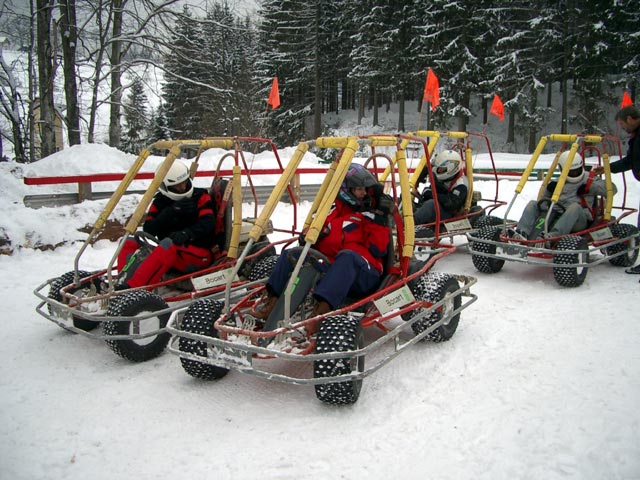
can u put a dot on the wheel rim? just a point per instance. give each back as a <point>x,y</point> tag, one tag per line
<point>147,325</point>
<point>581,258</point>
<point>448,306</point>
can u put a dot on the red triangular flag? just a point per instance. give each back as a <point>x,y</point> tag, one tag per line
<point>626,100</point>
<point>274,94</point>
<point>432,90</point>
<point>497,108</point>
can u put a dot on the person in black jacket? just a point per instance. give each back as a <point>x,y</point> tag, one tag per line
<point>181,217</point>
<point>451,187</point>
<point>628,119</point>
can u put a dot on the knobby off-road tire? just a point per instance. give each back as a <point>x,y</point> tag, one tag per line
<point>199,319</point>
<point>571,276</point>
<point>487,221</point>
<point>130,304</point>
<point>262,268</point>
<point>486,264</point>
<point>433,287</point>
<point>340,333</point>
<point>623,230</point>
<point>248,267</point>
<point>56,294</point>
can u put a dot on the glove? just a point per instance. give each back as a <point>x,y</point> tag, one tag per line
<point>180,238</point>
<point>184,208</point>
<point>385,204</point>
<point>543,205</point>
<point>551,186</point>
<point>427,194</point>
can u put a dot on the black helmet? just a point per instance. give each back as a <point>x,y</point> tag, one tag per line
<point>357,176</point>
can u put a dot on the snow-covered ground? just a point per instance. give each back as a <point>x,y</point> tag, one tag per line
<point>539,382</point>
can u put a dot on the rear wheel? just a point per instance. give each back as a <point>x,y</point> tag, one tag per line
<point>340,333</point>
<point>487,221</point>
<point>131,304</point>
<point>623,230</point>
<point>482,263</point>
<point>571,276</point>
<point>262,268</point>
<point>87,289</point>
<point>199,319</point>
<point>433,287</point>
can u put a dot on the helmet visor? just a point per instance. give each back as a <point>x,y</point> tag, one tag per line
<point>575,172</point>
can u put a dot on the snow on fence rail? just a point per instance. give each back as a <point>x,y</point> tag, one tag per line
<point>85,185</point>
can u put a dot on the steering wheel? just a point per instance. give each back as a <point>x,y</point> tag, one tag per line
<point>146,239</point>
<point>315,258</point>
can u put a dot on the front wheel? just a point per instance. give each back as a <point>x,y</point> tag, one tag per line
<point>482,263</point>
<point>86,289</point>
<point>340,333</point>
<point>131,304</point>
<point>623,230</point>
<point>431,288</point>
<point>571,276</point>
<point>199,319</point>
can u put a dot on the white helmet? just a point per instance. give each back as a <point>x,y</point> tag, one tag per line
<point>177,174</point>
<point>446,165</point>
<point>576,173</point>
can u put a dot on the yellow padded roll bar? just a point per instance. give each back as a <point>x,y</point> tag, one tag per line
<point>237,213</point>
<point>141,209</point>
<point>469,174</point>
<point>531,164</point>
<point>120,191</point>
<point>565,172</point>
<point>407,205</point>
<point>259,228</point>
<point>609,186</point>
<point>332,190</point>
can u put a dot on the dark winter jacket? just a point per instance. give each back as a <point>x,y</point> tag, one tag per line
<point>583,192</point>
<point>632,160</point>
<point>361,232</point>
<point>192,215</point>
<point>452,194</point>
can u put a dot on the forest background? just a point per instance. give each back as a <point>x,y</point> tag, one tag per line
<point>66,61</point>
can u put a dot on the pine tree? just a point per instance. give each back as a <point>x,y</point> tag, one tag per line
<point>182,91</point>
<point>135,113</point>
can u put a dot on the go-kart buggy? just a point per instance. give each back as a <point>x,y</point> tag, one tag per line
<point>476,211</point>
<point>412,303</point>
<point>570,256</point>
<point>133,321</point>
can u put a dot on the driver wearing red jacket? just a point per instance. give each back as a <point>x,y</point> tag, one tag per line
<point>355,238</point>
<point>181,217</point>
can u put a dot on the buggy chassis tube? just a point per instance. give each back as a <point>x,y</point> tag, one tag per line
<point>66,314</point>
<point>258,228</point>
<point>239,356</point>
<point>521,252</point>
<point>573,138</point>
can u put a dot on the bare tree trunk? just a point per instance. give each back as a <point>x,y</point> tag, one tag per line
<point>116,72</point>
<point>376,104</point>
<point>401,112</point>
<point>462,119</point>
<point>533,134</point>
<point>69,40</point>
<point>317,99</point>
<point>485,110</point>
<point>565,109</point>
<point>45,74</point>
<point>97,76</point>
<point>32,84</point>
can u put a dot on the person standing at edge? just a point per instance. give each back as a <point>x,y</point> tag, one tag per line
<point>628,118</point>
